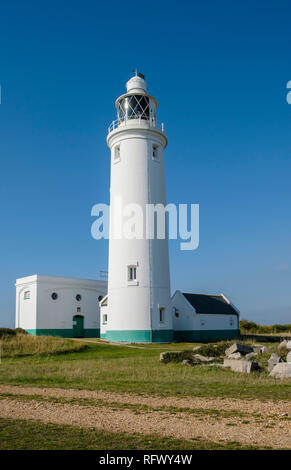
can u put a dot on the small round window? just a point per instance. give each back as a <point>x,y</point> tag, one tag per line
<point>78,297</point>
<point>54,296</point>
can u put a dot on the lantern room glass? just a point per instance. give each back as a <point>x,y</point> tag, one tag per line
<point>134,107</point>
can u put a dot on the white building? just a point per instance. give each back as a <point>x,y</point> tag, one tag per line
<point>59,306</point>
<point>137,307</point>
<point>138,273</point>
<point>198,317</point>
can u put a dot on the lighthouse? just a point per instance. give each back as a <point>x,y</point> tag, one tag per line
<point>137,305</point>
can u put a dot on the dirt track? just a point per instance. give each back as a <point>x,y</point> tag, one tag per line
<point>254,422</point>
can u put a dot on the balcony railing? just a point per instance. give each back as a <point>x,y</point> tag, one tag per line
<point>151,123</point>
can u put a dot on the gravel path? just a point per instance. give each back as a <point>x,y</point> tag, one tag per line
<point>246,430</point>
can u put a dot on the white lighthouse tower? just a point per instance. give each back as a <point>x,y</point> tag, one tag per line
<point>138,274</point>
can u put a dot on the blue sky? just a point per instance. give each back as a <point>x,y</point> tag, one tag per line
<point>219,71</point>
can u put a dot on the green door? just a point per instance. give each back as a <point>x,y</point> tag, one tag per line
<point>78,326</point>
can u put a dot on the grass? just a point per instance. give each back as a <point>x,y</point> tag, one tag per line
<point>27,345</point>
<point>136,368</point>
<point>35,435</point>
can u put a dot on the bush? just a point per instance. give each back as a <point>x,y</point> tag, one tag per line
<point>7,332</point>
<point>214,350</point>
<point>21,331</point>
<point>177,356</point>
<point>247,326</point>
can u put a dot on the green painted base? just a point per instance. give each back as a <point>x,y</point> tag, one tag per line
<point>205,335</point>
<point>65,333</point>
<point>140,336</point>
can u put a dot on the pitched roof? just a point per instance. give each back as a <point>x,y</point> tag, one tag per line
<point>213,304</point>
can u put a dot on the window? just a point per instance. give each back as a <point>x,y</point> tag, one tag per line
<point>132,273</point>
<point>54,296</point>
<point>117,153</point>
<point>78,297</point>
<point>105,318</point>
<point>176,312</point>
<point>27,295</point>
<point>134,107</point>
<point>155,152</point>
<point>162,315</point>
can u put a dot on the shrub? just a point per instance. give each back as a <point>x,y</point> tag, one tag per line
<point>7,332</point>
<point>214,350</point>
<point>21,331</point>
<point>177,356</point>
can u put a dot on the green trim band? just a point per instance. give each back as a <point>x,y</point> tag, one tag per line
<point>140,336</point>
<point>65,333</point>
<point>200,336</point>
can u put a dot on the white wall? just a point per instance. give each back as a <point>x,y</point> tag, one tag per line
<point>138,179</point>
<point>25,311</point>
<point>189,320</point>
<point>42,312</point>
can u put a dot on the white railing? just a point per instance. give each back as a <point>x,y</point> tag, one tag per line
<point>150,122</point>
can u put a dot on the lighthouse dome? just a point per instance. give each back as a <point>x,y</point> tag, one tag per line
<point>136,85</point>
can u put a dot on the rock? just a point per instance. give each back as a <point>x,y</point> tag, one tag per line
<point>162,356</point>
<point>196,348</point>
<point>236,355</point>
<point>256,345</point>
<point>288,345</point>
<point>186,362</point>
<point>288,359</point>
<point>282,370</point>
<point>264,349</point>
<point>241,366</point>
<point>238,347</point>
<point>250,356</point>
<point>273,361</point>
<point>203,358</point>
<point>282,345</point>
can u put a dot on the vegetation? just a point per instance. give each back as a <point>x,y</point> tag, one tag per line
<point>247,326</point>
<point>7,332</point>
<point>131,368</point>
<point>214,350</point>
<point>17,435</point>
<point>16,345</point>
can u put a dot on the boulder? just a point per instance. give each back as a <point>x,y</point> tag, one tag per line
<point>264,349</point>
<point>196,348</point>
<point>241,366</point>
<point>236,355</point>
<point>186,362</point>
<point>250,356</point>
<point>238,347</point>
<point>288,357</point>
<point>203,358</point>
<point>282,370</point>
<point>273,361</point>
<point>282,345</point>
<point>288,345</point>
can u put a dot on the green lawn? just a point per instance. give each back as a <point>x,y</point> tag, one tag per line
<point>137,369</point>
<point>32,435</point>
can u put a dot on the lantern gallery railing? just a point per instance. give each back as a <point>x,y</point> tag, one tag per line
<point>140,121</point>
